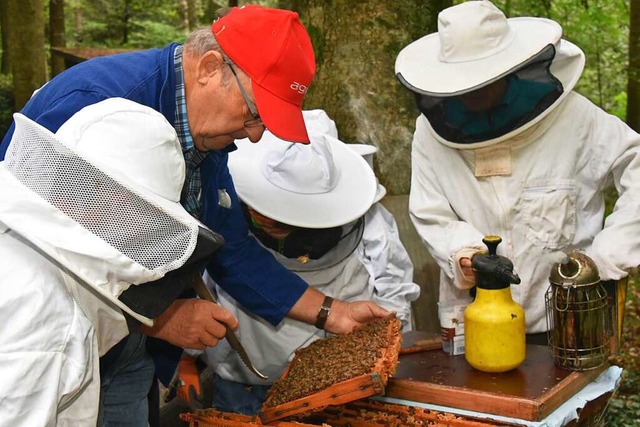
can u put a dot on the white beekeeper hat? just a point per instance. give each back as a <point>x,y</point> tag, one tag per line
<point>321,185</point>
<point>476,44</point>
<point>367,151</point>
<point>101,196</point>
<point>318,122</point>
<point>135,145</point>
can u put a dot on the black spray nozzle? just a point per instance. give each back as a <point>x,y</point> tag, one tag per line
<point>505,274</point>
<point>492,270</point>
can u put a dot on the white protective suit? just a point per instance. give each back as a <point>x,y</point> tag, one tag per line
<point>378,270</point>
<point>49,360</point>
<point>531,166</point>
<point>67,256</point>
<point>388,264</point>
<point>552,201</point>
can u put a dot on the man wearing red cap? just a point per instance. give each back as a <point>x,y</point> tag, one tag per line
<point>251,70</point>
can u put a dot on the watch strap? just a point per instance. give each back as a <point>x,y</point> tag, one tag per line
<point>323,314</point>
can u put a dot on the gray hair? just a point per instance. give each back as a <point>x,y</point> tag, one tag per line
<point>201,41</point>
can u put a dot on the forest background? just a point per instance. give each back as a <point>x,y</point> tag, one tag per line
<point>355,42</point>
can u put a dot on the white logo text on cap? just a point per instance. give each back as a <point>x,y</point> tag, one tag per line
<point>300,88</point>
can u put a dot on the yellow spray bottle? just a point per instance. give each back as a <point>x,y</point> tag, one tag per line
<point>494,323</point>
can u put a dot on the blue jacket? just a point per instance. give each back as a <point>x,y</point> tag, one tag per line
<point>242,267</point>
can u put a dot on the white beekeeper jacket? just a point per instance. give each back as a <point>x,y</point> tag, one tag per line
<point>551,202</point>
<point>49,360</point>
<point>63,250</point>
<point>352,279</point>
<point>388,264</point>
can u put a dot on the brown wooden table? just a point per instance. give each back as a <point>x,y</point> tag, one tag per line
<point>530,392</point>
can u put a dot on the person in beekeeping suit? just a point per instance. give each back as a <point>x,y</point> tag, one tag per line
<point>505,146</point>
<point>310,206</point>
<point>93,242</point>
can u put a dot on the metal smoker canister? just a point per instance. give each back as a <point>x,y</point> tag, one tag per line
<point>578,314</point>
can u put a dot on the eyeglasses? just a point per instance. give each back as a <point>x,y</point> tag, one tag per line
<point>256,121</point>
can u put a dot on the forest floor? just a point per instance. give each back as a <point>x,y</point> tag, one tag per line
<point>624,408</point>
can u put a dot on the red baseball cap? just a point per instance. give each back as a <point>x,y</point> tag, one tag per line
<point>273,48</point>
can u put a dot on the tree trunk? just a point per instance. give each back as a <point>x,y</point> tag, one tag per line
<point>126,17</point>
<point>289,4</point>
<point>78,23</point>
<point>5,66</point>
<point>184,11</point>
<point>26,47</point>
<point>210,11</point>
<point>192,13</point>
<point>356,44</point>
<point>56,34</point>
<point>633,88</point>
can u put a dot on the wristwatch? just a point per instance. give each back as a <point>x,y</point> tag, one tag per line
<point>325,309</point>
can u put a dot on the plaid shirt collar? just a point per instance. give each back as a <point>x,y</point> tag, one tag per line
<point>191,197</point>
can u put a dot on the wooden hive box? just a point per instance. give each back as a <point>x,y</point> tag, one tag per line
<point>215,418</point>
<point>363,413</point>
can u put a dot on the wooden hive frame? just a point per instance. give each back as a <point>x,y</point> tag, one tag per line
<point>358,387</point>
<point>215,418</point>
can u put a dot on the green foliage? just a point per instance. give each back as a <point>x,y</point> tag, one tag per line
<point>624,408</point>
<point>98,34</point>
<point>6,102</point>
<point>317,35</point>
<point>142,23</point>
<point>107,23</point>
<point>619,108</point>
<point>142,34</point>
<point>601,29</point>
<point>153,34</point>
<point>624,412</point>
<point>610,197</point>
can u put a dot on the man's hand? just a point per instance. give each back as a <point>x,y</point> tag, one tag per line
<point>467,269</point>
<point>192,323</point>
<point>345,316</point>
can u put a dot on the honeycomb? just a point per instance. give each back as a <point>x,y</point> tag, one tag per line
<point>372,348</point>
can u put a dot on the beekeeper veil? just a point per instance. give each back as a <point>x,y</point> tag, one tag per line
<point>476,46</point>
<point>101,199</point>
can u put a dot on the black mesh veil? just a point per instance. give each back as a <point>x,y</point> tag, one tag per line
<point>530,89</point>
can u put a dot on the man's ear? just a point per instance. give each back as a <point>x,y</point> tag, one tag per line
<point>208,66</point>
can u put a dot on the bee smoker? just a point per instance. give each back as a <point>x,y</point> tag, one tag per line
<point>578,314</point>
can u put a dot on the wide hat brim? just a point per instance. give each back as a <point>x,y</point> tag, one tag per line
<point>350,199</point>
<point>419,66</point>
